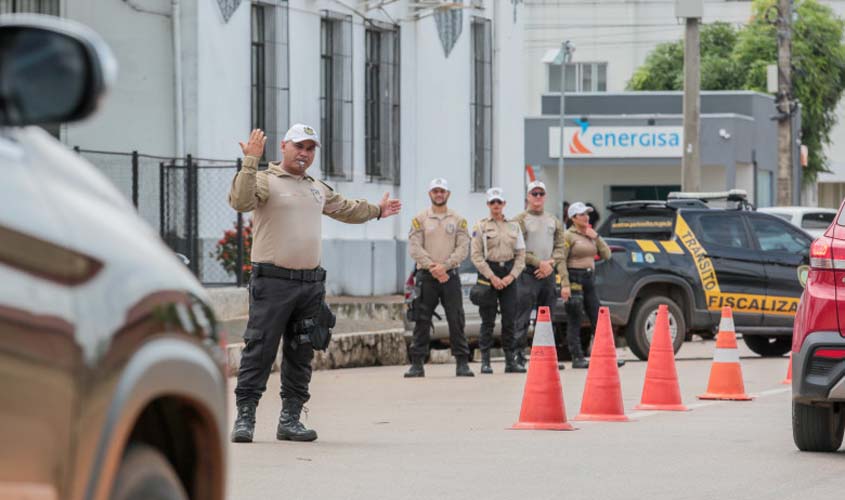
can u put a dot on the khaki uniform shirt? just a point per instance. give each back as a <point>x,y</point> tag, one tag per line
<point>287,213</point>
<point>544,238</point>
<point>438,239</point>
<point>580,252</point>
<point>504,242</point>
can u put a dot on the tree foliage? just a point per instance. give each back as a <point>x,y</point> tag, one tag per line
<point>736,59</point>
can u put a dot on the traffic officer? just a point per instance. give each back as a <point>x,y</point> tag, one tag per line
<point>581,246</point>
<point>544,243</point>
<point>287,285</point>
<point>438,243</point>
<point>498,252</point>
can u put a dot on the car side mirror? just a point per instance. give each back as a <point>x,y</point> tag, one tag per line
<point>52,70</point>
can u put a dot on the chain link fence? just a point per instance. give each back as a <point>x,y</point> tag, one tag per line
<point>185,199</point>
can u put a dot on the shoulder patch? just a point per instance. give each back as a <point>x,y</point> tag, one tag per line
<point>463,224</point>
<point>415,224</point>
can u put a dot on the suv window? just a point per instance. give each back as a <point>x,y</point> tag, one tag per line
<point>718,229</point>
<point>775,236</point>
<point>817,220</point>
<point>640,225</point>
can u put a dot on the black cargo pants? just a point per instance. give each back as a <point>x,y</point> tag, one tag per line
<point>507,299</point>
<point>533,293</point>
<point>450,295</point>
<point>584,299</point>
<point>275,304</point>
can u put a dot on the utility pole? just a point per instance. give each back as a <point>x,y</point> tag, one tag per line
<point>784,104</point>
<point>691,11</point>
<point>566,50</point>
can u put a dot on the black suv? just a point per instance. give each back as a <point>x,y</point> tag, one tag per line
<point>111,373</point>
<point>696,259</point>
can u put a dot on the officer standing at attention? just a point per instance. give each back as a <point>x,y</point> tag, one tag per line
<point>577,285</point>
<point>498,252</point>
<point>438,243</point>
<point>544,244</point>
<point>287,285</point>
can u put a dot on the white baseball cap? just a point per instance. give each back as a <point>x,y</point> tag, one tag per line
<point>438,182</point>
<point>495,194</point>
<point>578,208</point>
<point>536,184</point>
<point>299,132</point>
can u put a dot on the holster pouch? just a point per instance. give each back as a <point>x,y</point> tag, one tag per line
<point>482,293</point>
<point>577,297</point>
<point>316,331</point>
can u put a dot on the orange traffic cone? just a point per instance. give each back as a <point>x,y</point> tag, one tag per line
<point>788,379</point>
<point>542,400</point>
<point>726,372</point>
<point>602,391</point>
<point>661,390</point>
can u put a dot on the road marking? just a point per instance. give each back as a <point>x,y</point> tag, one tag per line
<point>643,414</point>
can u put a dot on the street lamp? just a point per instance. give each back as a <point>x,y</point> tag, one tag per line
<point>565,57</point>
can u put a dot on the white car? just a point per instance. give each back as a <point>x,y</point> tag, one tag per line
<point>813,220</point>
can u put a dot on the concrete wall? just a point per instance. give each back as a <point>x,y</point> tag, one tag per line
<point>138,112</point>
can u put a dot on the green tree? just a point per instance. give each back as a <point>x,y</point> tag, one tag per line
<point>737,59</point>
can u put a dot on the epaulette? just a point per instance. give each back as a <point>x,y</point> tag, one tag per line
<point>323,183</point>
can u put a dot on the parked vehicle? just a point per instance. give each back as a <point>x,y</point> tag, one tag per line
<point>813,220</point>
<point>818,346</point>
<point>111,374</point>
<point>696,259</point>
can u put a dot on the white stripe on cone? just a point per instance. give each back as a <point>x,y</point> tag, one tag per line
<point>727,325</point>
<point>726,355</point>
<point>543,335</point>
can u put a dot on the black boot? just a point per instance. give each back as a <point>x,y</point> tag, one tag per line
<point>485,362</point>
<point>580,363</point>
<point>416,369</point>
<point>511,366</point>
<point>462,367</point>
<point>520,358</point>
<point>290,428</point>
<point>244,424</point>
<point>578,360</point>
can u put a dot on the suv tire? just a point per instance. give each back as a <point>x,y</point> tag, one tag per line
<point>817,428</point>
<point>768,347</point>
<point>145,474</point>
<point>645,311</point>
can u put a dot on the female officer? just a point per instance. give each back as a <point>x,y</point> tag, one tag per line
<point>498,252</point>
<point>582,243</point>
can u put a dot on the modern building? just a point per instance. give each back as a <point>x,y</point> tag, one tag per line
<point>613,38</point>
<point>400,92</point>
<point>621,146</point>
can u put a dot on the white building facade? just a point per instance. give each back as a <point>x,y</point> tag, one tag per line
<point>400,93</point>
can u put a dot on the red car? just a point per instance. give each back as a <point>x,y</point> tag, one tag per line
<point>818,346</point>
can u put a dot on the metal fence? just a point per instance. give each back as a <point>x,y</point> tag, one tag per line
<point>185,198</point>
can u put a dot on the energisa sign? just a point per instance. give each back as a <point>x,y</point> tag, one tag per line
<point>587,141</point>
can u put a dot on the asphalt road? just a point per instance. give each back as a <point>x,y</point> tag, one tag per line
<point>384,437</point>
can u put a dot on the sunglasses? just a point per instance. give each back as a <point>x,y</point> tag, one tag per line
<point>495,202</point>
<point>538,194</point>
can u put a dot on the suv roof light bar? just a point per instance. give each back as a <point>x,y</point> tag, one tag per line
<point>732,195</point>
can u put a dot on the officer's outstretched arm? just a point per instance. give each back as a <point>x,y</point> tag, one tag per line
<point>345,210</point>
<point>249,187</point>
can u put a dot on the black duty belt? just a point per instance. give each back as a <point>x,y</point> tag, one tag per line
<point>271,271</point>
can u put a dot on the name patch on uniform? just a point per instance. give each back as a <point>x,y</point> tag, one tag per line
<point>318,195</point>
